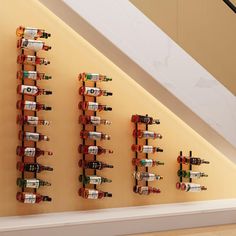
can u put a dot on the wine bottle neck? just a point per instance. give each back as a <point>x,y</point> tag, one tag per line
<point>47,168</point>
<point>156,121</point>
<point>46,198</point>
<point>106,194</point>
<point>107,166</point>
<point>45,183</point>
<point>107,108</point>
<point>159,163</point>
<point>159,149</point>
<point>46,92</point>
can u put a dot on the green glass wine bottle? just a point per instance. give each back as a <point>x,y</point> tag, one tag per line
<point>93,179</point>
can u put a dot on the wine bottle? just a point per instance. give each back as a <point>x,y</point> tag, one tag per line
<point>192,187</point>
<point>31,183</point>
<point>93,106</point>
<point>146,162</point>
<point>93,179</point>
<point>92,120</point>
<point>31,44</point>
<point>32,167</point>
<point>93,194</point>
<point>31,33</point>
<point>31,152</point>
<point>95,165</point>
<point>31,120</point>
<point>144,119</point>
<point>191,174</point>
<point>29,136</point>
<point>191,160</point>
<point>93,91</point>
<point>31,106</point>
<point>93,77</point>
<point>94,150</point>
<point>32,90</point>
<point>146,134</point>
<point>145,149</point>
<point>145,190</point>
<point>94,135</point>
<point>32,60</point>
<point>32,75</point>
<point>31,197</point>
<point>178,185</point>
<point>146,176</point>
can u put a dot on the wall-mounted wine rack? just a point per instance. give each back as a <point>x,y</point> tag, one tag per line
<point>89,135</point>
<point>141,172</point>
<point>28,46</point>
<point>185,172</point>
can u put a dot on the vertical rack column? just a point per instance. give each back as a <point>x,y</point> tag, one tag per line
<point>84,142</point>
<point>35,127</point>
<point>139,175</point>
<point>146,155</point>
<point>29,120</point>
<point>188,173</point>
<point>22,126</point>
<point>190,166</point>
<point>89,152</point>
<point>95,141</point>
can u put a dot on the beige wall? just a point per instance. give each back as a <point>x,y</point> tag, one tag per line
<point>70,55</point>
<point>205,29</point>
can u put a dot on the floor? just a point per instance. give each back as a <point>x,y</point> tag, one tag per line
<point>224,230</point>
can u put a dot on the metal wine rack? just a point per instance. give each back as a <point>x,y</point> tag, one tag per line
<point>24,66</point>
<point>85,157</point>
<point>188,167</point>
<point>137,155</point>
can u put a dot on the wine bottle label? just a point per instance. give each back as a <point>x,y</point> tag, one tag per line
<point>92,77</point>
<point>30,74</point>
<point>30,90</point>
<point>195,161</point>
<point>28,105</point>
<point>92,106</point>
<point>146,162</point>
<point>194,174</point>
<point>147,149</point>
<point>148,134</point>
<point>32,183</point>
<point>32,168</point>
<point>29,152</point>
<point>93,150</point>
<point>147,176</point>
<point>95,179</point>
<point>143,190</point>
<point>96,120</point>
<point>92,194</point>
<point>32,136</point>
<point>29,198</point>
<point>92,91</point>
<point>95,135</point>
<point>144,119</point>
<point>30,32</point>
<point>192,187</point>
<point>32,44</point>
<point>30,59</point>
<point>32,120</point>
<point>95,165</point>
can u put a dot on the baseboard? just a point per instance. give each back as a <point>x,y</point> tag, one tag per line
<point>122,221</point>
